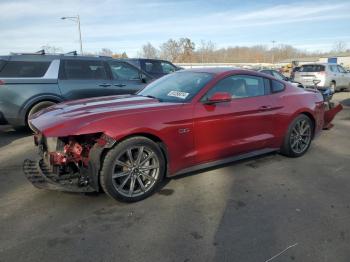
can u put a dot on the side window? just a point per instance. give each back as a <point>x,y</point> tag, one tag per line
<point>333,68</point>
<point>341,69</point>
<point>24,69</point>
<point>276,86</point>
<point>124,71</point>
<point>134,63</point>
<point>84,69</point>
<point>167,68</point>
<point>153,67</point>
<point>2,63</point>
<point>239,86</point>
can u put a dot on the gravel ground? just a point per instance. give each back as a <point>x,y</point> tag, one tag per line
<point>246,211</point>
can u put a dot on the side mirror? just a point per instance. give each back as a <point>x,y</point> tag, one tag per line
<point>143,78</point>
<point>287,79</point>
<point>219,97</point>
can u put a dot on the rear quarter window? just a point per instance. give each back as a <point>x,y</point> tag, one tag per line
<point>23,69</point>
<point>312,68</point>
<point>276,86</point>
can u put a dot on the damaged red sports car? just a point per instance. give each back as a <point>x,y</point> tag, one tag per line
<point>185,121</point>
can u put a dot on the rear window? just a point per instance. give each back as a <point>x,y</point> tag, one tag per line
<point>23,69</point>
<point>312,68</point>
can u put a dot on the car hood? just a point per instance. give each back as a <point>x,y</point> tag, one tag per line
<point>72,118</point>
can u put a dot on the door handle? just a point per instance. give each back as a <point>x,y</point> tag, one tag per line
<point>105,85</point>
<point>120,85</point>
<point>264,108</point>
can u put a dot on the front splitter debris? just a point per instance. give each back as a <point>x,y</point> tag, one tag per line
<point>40,176</point>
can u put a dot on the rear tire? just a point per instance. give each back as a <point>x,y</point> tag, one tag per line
<point>133,170</point>
<point>35,109</point>
<point>298,138</point>
<point>333,87</point>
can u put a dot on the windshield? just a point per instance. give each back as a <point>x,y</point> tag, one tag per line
<point>177,87</point>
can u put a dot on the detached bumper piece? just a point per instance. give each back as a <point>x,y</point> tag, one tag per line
<point>330,113</point>
<point>38,173</point>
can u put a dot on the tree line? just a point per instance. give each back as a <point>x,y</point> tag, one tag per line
<point>184,50</point>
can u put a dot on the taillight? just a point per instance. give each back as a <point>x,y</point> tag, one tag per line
<point>2,82</point>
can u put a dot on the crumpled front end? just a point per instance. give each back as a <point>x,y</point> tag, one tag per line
<point>69,164</point>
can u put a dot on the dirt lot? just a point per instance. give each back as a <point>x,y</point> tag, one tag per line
<point>246,211</point>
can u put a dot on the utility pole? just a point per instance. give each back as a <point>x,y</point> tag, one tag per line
<point>77,20</point>
<point>273,51</point>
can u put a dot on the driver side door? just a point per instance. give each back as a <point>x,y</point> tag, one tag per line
<point>231,128</point>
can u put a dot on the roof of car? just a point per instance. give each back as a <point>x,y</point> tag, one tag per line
<point>50,57</point>
<point>319,64</point>
<point>149,59</point>
<point>215,70</point>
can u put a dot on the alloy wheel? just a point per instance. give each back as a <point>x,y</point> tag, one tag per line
<point>135,171</point>
<point>301,136</point>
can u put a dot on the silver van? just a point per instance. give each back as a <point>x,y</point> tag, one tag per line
<point>331,76</point>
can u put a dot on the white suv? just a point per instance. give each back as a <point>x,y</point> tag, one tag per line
<point>331,76</point>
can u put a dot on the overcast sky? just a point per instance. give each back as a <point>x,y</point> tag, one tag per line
<point>125,25</point>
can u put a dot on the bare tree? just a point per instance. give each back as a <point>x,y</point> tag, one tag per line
<point>187,49</point>
<point>170,50</point>
<point>106,52</point>
<point>206,51</point>
<point>149,51</point>
<point>339,47</point>
<point>49,49</point>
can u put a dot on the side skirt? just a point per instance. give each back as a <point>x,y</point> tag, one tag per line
<point>224,161</point>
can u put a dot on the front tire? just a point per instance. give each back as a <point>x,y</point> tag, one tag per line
<point>133,170</point>
<point>298,138</point>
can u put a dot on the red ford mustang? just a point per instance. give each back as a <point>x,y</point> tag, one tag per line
<point>180,123</point>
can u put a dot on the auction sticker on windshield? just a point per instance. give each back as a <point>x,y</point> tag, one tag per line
<point>178,94</point>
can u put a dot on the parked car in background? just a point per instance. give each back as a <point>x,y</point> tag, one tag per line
<point>31,82</point>
<point>326,92</point>
<point>182,122</point>
<point>155,67</point>
<point>280,76</point>
<point>327,75</point>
